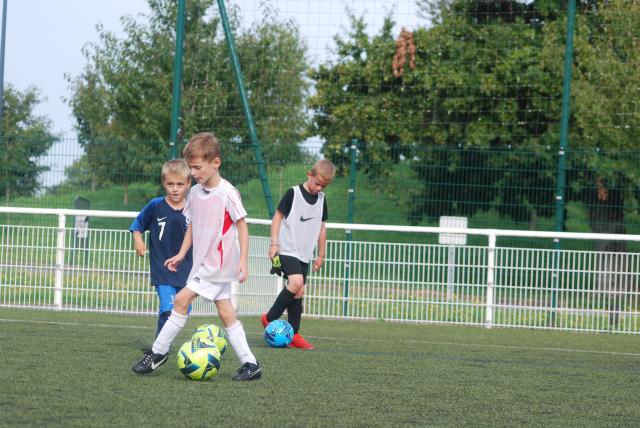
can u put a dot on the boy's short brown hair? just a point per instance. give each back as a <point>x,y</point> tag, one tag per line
<point>324,168</point>
<point>175,167</point>
<point>203,145</point>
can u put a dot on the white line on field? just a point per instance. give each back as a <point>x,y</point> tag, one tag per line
<point>135,327</point>
<point>524,348</point>
<point>351,339</point>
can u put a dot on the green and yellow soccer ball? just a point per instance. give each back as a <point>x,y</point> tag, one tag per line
<point>214,334</point>
<point>199,359</point>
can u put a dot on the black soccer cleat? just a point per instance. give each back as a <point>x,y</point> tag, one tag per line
<point>249,371</point>
<point>149,362</point>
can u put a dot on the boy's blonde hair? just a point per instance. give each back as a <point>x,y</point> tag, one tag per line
<point>324,168</point>
<point>203,145</point>
<point>175,167</point>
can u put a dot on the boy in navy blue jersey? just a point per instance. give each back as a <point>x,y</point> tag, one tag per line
<point>166,223</point>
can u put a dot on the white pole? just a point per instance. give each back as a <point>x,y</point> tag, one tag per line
<point>57,299</point>
<point>451,272</point>
<point>488,320</point>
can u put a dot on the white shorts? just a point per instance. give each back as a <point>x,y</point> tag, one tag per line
<point>210,290</point>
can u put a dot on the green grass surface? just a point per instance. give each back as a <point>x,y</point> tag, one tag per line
<point>73,369</point>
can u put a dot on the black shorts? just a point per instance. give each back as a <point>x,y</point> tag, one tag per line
<point>292,266</point>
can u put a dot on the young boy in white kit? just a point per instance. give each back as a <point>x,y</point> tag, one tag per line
<point>219,234</point>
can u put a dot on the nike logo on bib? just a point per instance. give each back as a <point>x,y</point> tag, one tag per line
<point>305,219</point>
<point>161,218</point>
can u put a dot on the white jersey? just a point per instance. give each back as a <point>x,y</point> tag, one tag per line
<point>299,231</point>
<point>213,214</point>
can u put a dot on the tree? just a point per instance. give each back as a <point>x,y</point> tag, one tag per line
<point>603,153</point>
<point>478,113</point>
<point>357,97</point>
<point>473,94</point>
<point>25,138</point>
<point>606,116</point>
<point>489,98</point>
<point>122,100</point>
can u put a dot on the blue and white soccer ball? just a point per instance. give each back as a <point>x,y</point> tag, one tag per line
<point>199,359</point>
<point>278,334</point>
<point>213,333</point>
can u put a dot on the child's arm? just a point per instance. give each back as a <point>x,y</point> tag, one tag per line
<point>173,262</point>
<point>140,224</point>
<point>138,243</point>
<point>275,232</point>
<point>243,238</point>
<point>322,248</point>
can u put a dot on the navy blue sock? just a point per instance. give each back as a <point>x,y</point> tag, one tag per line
<point>282,301</point>
<point>294,312</point>
<point>162,318</point>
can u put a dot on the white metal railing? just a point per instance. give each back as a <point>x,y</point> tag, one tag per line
<point>490,285</point>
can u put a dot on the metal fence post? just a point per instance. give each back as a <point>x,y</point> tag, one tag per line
<point>352,195</point>
<point>488,319</point>
<point>563,150</point>
<point>177,79</point>
<point>251,124</point>
<point>59,270</point>
<point>3,37</point>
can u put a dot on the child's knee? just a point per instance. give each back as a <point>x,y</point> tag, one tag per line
<point>296,286</point>
<point>181,305</point>
<point>226,312</point>
<point>297,290</point>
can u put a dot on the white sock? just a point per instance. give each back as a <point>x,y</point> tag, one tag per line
<point>238,340</point>
<point>170,330</point>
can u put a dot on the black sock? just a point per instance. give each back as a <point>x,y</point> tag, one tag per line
<point>162,318</point>
<point>282,301</point>
<point>294,311</point>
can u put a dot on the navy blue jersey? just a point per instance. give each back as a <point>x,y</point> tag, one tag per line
<point>166,228</point>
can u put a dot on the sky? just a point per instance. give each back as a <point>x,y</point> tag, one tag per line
<point>44,40</point>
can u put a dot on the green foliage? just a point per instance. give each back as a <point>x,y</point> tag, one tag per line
<point>484,95</point>
<point>606,84</point>
<point>124,93</point>
<point>356,97</point>
<point>604,121</point>
<point>468,88</point>
<point>25,138</point>
<point>469,126</point>
<point>385,203</point>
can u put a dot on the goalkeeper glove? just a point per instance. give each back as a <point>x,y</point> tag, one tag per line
<point>276,267</point>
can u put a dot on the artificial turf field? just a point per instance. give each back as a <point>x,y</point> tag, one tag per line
<point>62,369</point>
